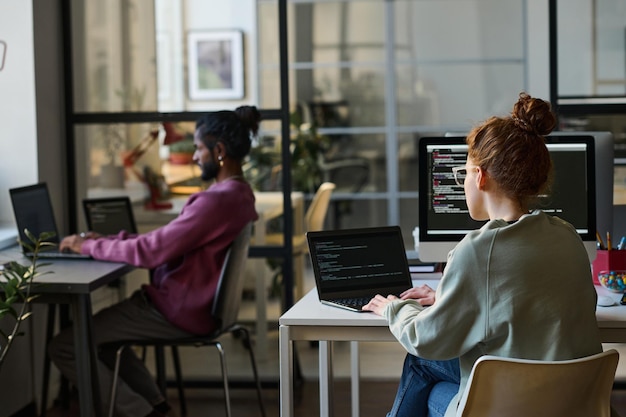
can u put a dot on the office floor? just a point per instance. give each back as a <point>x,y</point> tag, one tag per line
<point>381,365</point>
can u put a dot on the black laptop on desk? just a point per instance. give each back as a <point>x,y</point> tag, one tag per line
<point>352,266</point>
<point>33,211</point>
<point>109,215</point>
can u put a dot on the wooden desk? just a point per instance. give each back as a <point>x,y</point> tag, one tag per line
<point>308,319</point>
<point>72,282</point>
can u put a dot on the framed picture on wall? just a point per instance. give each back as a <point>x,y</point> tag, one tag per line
<point>215,62</point>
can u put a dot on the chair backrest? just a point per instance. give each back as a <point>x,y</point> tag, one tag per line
<point>230,286</point>
<point>316,213</point>
<point>517,387</point>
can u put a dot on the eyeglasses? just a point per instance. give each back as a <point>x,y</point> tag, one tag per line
<point>459,174</point>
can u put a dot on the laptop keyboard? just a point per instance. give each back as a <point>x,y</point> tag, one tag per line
<point>56,254</point>
<point>357,302</point>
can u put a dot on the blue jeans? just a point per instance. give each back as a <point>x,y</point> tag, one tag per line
<point>426,387</point>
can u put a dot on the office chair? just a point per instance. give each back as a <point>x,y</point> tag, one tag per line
<point>225,311</point>
<point>313,221</point>
<point>350,175</point>
<point>520,387</point>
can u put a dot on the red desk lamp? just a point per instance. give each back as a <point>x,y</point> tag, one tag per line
<point>171,135</point>
<point>151,179</point>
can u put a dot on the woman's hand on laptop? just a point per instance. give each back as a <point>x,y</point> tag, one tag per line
<point>378,303</point>
<point>423,295</point>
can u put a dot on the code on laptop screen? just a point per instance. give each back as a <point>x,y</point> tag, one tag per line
<point>110,215</point>
<point>360,260</point>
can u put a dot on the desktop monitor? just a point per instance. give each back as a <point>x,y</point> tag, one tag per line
<point>443,215</point>
<point>604,157</point>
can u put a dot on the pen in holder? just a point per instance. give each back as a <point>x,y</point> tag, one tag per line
<point>608,260</point>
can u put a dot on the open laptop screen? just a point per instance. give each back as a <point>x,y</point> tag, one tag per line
<point>359,261</point>
<point>108,216</point>
<point>33,211</point>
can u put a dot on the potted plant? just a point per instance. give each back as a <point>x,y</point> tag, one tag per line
<point>15,295</point>
<point>181,152</point>
<point>112,140</point>
<point>307,148</point>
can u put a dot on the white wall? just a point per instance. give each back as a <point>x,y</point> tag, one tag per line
<point>18,137</point>
<point>32,147</point>
<point>222,15</point>
<point>18,147</point>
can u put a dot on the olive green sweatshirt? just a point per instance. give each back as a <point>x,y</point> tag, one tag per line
<point>521,290</point>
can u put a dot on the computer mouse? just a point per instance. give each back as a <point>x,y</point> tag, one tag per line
<point>605,301</point>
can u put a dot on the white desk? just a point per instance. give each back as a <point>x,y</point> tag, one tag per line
<point>308,319</point>
<point>72,282</point>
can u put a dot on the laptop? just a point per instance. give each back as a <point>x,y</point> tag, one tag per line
<point>33,211</point>
<point>353,265</point>
<point>109,215</point>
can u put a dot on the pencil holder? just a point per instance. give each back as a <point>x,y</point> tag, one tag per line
<point>608,260</point>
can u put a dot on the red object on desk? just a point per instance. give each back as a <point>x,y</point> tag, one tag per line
<point>608,260</point>
<point>154,204</point>
<point>156,185</point>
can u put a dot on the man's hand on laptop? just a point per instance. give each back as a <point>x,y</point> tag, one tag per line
<point>73,243</point>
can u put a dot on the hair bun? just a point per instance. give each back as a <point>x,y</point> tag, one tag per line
<point>533,115</point>
<point>250,117</point>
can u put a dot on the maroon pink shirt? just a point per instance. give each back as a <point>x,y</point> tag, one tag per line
<point>186,254</point>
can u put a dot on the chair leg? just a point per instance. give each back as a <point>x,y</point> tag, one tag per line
<point>179,382</point>
<point>220,350</point>
<point>116,371</point>
<point>248,345</point>
<point>159,358</point>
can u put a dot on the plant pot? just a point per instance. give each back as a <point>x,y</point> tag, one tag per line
<point>179,158</point>
<point>112,176</point>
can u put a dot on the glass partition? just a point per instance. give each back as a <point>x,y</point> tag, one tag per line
<point>591,38</point>
<point>366,79</point>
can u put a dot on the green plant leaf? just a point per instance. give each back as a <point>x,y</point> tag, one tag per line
<point>8,310</point>
<point>16,289</point>
<point>12,299</point>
